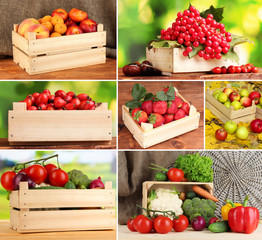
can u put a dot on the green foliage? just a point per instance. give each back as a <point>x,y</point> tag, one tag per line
<point>217,13</point>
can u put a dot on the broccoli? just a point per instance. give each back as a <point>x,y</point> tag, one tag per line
<point>197,206</point>
<point>70,185</point>
<point>80,180</point>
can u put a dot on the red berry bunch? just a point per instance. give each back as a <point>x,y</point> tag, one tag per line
<point>191,30</point>
<point>248,68</point>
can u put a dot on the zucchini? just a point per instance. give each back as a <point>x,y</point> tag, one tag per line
<point>47,187</point>
<point>219,227</point>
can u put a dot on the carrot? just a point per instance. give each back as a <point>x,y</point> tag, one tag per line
<point>200,191</point>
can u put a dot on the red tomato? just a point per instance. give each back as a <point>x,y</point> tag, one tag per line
<point>175,174</point>
<point>37,173</point>
<point>7,180</point>
<point>163,224</point>
<point>130,224</point>
<point>49,168</point>
<point>180,224</point>
<point>58,178</point>
<point>143,224</point>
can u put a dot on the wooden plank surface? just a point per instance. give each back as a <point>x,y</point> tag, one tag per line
<point>6,233</point>
<point>10,70</point>
<point>191,91</point>
<point>4,144</point>
<point>195,76</point>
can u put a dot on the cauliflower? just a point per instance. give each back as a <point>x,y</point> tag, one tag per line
<point>165,200</point>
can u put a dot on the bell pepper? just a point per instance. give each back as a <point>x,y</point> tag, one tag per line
<point>243,219</point>
<point>225,209</point>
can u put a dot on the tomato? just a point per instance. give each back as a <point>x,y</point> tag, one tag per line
<point>130,224</point>
<point>216,70</point>
<point>7,180</point>
<point>49,168</point>
<point>175,174</point>
<point>37,173</point>
<point>143,224</point>
<point>180,224</point>
<point>58,178</point>
<point>163,224</point>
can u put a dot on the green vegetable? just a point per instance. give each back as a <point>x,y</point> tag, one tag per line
<point>190,195</point>
<point>80,180</point>
<point>70,185</point>
<point>47,187</point>
<point>219,227</point>
<point>203,207</point>
<point>160,176</point>
<point>196,168</point>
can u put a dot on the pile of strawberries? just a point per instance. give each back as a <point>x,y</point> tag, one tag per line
<point>60,101</point>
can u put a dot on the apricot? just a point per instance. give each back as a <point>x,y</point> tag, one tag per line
<point>57,19</point>
<point>46,18</point>
<point>55,34</point>
<point>48,25</point>
<point>60,28</point>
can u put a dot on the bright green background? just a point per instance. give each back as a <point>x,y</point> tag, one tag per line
<point>140,21</point>
<point>14,91</point>
<point>106,169</point>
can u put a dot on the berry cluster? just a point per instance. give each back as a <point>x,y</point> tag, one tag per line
<point>248,68</point>
<point>191,30</point>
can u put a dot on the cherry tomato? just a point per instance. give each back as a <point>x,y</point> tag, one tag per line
<point>255,70</point>
<point>180,224</point>
<point>216,70</point>
<point>221,134</point>
<point>238,69</point>
<point>243,69</point>
<point>49,168</point>
<point>7,180</point>
<point>143,224</point>
<point>175,174</point>
<point>37,173</point>
<point>249,69</point>
<point>22,170</point>
<point>223,70</point>
<point>163,224</point>
<point>130,224</point>
<point>231,69</point>
<point>58,178</point>
<point>249,65</point>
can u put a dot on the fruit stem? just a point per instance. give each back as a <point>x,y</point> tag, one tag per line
<point>159,168</point>
<point>157,211</point>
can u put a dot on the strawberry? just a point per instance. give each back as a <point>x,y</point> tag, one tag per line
<point>160,107</point>
<point>140,116</point>
<point>179,114</point>
<point>156,119</point>
<point>147,106</point>
<point>171,107</point>
<point>185,106</point>
<point>178,102</point>
<point>168,118</point>
<point>134,111</point>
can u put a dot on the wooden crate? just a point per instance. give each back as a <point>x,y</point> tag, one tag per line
<point>180,186</point>
<point>148,136</point>
<point>226,114</point>
<point>171,60</point>
<point>38,56</point>
<point>27,127</point>
<point>62,209</point>
<point>258,113</point>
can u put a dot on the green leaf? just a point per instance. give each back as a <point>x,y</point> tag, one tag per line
<point>158,43</point>
<point>133,104</point>
<point>152,195</point>
<point>161,95</point>
<point>148,96</point>
<point>171,93</point>
<point>138,91</point>
<point>196,50</point>
<point>217,13</point>
<point>235,85</point>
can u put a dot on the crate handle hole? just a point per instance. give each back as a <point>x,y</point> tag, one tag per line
<point>12,117</point>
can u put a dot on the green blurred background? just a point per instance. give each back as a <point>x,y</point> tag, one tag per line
<point>92,163</point>
<point>14,91</point>
<point>140,21</point>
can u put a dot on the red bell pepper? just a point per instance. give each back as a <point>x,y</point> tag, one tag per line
<point>243,219</point>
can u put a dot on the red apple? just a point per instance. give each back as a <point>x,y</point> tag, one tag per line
<point>256,126</point>
<point>234,96</point>
<point>74,30</point>
<point>88,25</point>
<point>69,23</point>
<point>221,134</point>
<point>255,96</point>
<point>246,101</point>
<point>227,91</point>
<point>78,15</point>
<point>60,12</point>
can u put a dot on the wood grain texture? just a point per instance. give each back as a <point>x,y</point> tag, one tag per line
<point>10,70</point>
<point>191,91</point>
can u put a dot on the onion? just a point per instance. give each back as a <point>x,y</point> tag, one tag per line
<point>22,177</point>
<point>213,220</point>
<point>97,183</point>
<point>198,223</point>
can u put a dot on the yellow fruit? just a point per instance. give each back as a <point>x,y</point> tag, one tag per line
<point>57,19</point>
<point>55,34</point>
<point>48,25</point>
<point>60,28</point>
<point>46,18</point>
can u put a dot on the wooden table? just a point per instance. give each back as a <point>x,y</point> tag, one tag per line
<point>125,234</point>
<point>6,233</point>
<point>192,91</point>
<point>4,144</point>
<point>10,70</point>
<point>199,76</point>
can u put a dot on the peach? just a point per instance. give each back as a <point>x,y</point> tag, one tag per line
<point>74,30</point>
<point>48,25</point>
<point>60,12</point>
<point>88,25</point>
<point>57,19</point>
<point>60,28</point>
<point>77,15</point>
<point>69,23</point>
<point>40,30</point>
<point>55,34</point>
<point>26,24</point>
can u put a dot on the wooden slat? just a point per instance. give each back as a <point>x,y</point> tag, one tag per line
<point>20,42</point>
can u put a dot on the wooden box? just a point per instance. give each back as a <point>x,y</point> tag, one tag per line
<point>27,127</point>
<point>259,113</point>
<point>148,136</point>
<point>171,60</point>
<point>180,186</point>
<point>38,56</point>
<point>62,209</point>
<point>225,114</point>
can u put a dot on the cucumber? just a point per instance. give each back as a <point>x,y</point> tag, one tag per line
<point>219,227</point>
<point>47,187</point>
<point>160,176</point>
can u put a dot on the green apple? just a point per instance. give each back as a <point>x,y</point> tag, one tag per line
<point>244,93</point>
<point>216,96</point>
<point>260,101</point>
<point>222,97</point>
<point>259,106</point>
<point>242,133</point>
<point>236,105</point>
<point>227,104</point>
<point>230,127</point>
<point>216,91</point>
